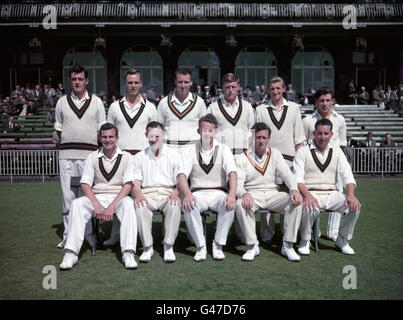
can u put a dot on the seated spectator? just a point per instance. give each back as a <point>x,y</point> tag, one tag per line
<point>10,126</point>
<point>105,101</point>
<point>363,97</point>
<point>31,108</point>
<point>369,153</point>
<point>38,95</point>
<point>16,93</point>
<point>378,96</point>
<point>199,91</point>
<point>392,99</point>
<point>49,97</point>
<point>389,154</point>
<point>351,143</point>
<point>351,93</point>
<point>257,95</point>
<point>60,88</point>
<point>152,94</point>
<point>291,94</point>
<point>50,117</point>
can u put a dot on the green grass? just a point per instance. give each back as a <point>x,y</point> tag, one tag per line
<point>30,228</point>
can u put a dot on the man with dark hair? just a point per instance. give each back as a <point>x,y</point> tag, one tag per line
<point>235,116</point>
<point>257,170</point>
<point>106,183</point>
<point>317,167</point>
<point>79,116</point>
<point>155,178</point>
<point>324,101</point>
<point>180,111</point>
<point>208,166</point>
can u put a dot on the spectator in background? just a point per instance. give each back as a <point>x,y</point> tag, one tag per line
<point>392,99</point>
<point>363,97</point>
<point>60,89</point>
<point>389,154</point>
<point>199,91</point>
<point>207,93</point>
<point>265,94</point>
<point>49,97</point>
<point>369,153</point>
<point>38,95</point>
<point>51,117</point>
<point>31,108</point>
<point>152,94</point>
<point>291,94</point>
<point>16,93</point>
<point>257,95</point>
<point>351,93</point>
<point>10,126</point>
<point>351,143</point>
<point>105,101</point>
<point>378,96</point>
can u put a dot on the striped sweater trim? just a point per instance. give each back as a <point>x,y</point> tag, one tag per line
<point>260,169</point>
<point>79,112</point>
<point>176,112</point>
<point>322,166</point>
<point>78,146</point>
<point>109,175</point>
<point>131,121</point>
<point>278,124</point>
<point>236,118</point>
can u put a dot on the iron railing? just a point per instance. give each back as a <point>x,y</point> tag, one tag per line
<point>43,163</point>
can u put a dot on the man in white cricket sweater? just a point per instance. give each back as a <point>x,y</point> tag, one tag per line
<point>130,115</point>
<point>209,166</point>
<point>234,115</point>
<point>287,134</point>
<point>180,111</point>
<point>106,183</point>
<point>257,170</point>
<point>317,167</point>
<point>155,178</point>
<point>79,116</point>
<point>324,102</point>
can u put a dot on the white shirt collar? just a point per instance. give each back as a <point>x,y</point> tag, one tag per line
<point>102,154</point>
<point>176,100</point>
<point>86,97</point>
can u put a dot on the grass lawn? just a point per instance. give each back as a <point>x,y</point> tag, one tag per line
<point>30,229</point>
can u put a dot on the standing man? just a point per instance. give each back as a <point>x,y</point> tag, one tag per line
<point>257,171</point>
<point>283,117</point>
<point>209,166</point>
<point>180,111</point>
<point>106,183</point>
<point>131,115</point>
<point>155,178</point>
<point>79,116</point>
<point>324,101</point>
<point>317,167</point>
<point>235,116</point>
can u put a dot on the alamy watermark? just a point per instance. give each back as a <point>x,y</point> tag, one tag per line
<point>50,19</point>
<point>350,280</point>
<point>50,280</point>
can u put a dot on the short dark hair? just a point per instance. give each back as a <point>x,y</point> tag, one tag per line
<point>260,126</point>
<point>132,72</point>
<point>209,118</point>
<point>324,122</point>
<point>323,91</point>
<point>154,124</point>
<point>184,71</point>
<point>78,69</point>
<point>109,126</point>
<point>229,77</point>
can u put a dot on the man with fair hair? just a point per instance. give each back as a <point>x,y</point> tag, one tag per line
<point>234,115</point>
<point>324,101</point>
<point>155,178</point>
<point>79,116</point>
<point>209,166</point>
<point>283,117</point>
<point>317,167</point>
<point>180,111</point>
<point>257,170</point>
<point>106,183</point>
<point>130,115</point>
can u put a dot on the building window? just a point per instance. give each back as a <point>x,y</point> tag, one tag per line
<point>204,64</point>
<point>92,60</point>
<point>148,61</point>
<point>254,66</point>
<point>312,69</point>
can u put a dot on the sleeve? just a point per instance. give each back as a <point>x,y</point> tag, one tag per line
<point>101,113</point>
<point>306,122</point>
<point>299,134</point>
<point>345,171</point>
<point>58,116</point>
<point>251,117</point>
<point>241,172</point>
<point>87,176</point>
<point>161,113</point>
<point>299,167</point>
<point>186,164</point>
<point>128,175</point>
<point>153,112</point>
<point>284,172</point>
<point>228,160</point>
<point>343,132</point>
<point>111,114</point>
<point>203,108</point>
<point>138,167</point>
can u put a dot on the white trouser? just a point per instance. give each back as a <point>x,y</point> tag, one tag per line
<point>274,201</point>
<point>212,200</point>
<point>333,201</point>
<point>333,222</point>
<point>82,211</point>
<point>68,169</point>
<point>157,200</point>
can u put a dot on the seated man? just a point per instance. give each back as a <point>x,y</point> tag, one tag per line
<point>257,171</point>
<point>209,165</point>
<point>106,183</point>
<point>317,167</point>
<point>155,176</point>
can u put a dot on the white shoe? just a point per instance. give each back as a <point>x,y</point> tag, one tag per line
<point>201,254</point>
<point>61,244</point>
<point>128,260</point>
<point>110,242</point>
<point>343,245</point>
<point>288,251</point>
<point>169,255</point>
<point>217,251</point>
<point>69,260</point>
<point>147,254</point>
<point>303,247</point>
<point>252,252</point>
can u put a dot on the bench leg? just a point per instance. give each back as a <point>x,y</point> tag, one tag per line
<point>316,230</point>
